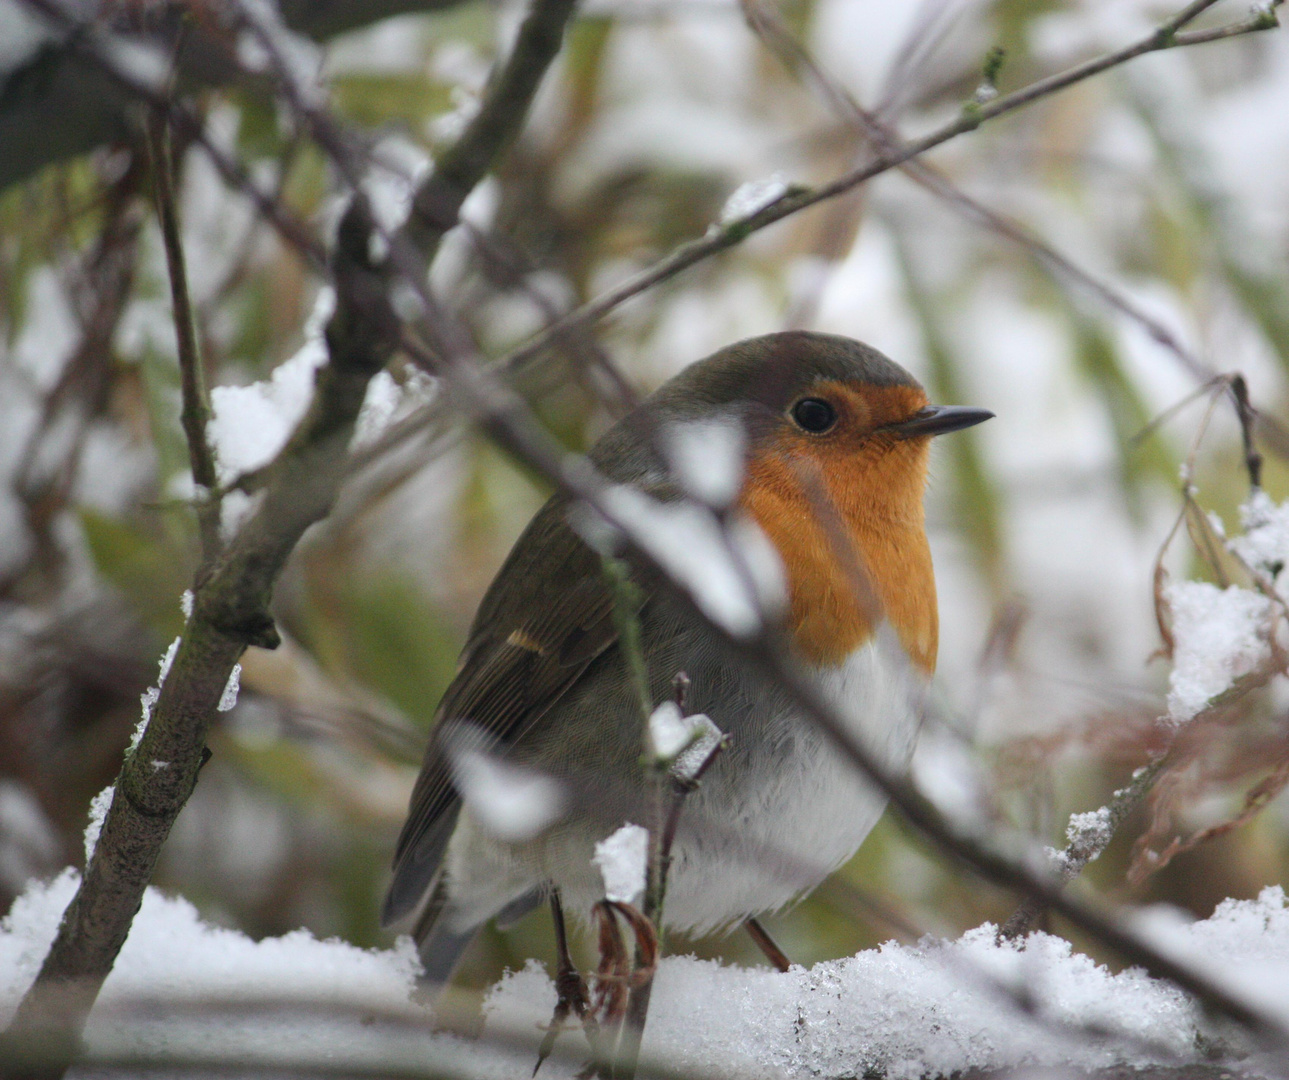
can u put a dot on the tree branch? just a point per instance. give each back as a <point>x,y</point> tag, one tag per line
<point>796,200</point>
<point>1086,845</point>
<point>195,413</point>
<point>54,105</point>
<point>730,235</point>
<point>230,612</point>
<point>436,206</point>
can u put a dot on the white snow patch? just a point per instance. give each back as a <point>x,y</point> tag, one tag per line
<point>174,959</point>
<point>448,126</point>
<point>1218,636</point>
<point>1091,830</point>
<point>152,695</point>
<point>704,738</point>
<point>389,401</point>
<point>683,742</point>
<point>707,457</point>
<point>250,424</point>
<point>1086,836</point>
<point>1265,543</point>
<point>228,699</point>
<point>623,859</point>
<point>752,196</point>
<point>512,803</point>
<point>99,806</point>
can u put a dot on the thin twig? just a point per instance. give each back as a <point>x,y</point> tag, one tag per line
<point>1259,20</point>
<point>195,414</point>
<point>86,40</point>
<point>1086,845</point>
<point>796,200</point>
<point>1248,417</point>
<point>768,946</point>
<point>436,206</point>
<point>1255,801</point>
<point>627,1058</point>
<point>775,35</point>
<point>733,233</point>
<point>230,612</point>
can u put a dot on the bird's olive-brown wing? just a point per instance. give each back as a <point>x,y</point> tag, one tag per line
<point>547,615</point>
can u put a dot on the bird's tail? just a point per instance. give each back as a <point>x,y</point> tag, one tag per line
<point>440,946</point>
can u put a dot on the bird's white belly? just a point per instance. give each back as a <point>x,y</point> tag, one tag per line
<point>792,824</point>
<point>752,838</point>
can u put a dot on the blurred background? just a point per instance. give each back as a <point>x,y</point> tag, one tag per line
<point>1166,180</point>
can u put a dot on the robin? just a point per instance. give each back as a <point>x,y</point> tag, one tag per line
<point>545,682</point>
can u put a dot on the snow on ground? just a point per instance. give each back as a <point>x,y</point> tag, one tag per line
<point>904,1011</point>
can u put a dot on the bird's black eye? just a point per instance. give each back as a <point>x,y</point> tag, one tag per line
<point>814,415</point>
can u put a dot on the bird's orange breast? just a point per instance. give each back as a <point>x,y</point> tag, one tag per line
<point>829,505</point>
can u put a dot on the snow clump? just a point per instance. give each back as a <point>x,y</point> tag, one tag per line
<point>1265,543</point>
<point>754,195</point>
<point>1219,635</point>
<point>99,806</point>
<point>623,859</point>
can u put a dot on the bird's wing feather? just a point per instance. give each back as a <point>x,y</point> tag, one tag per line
<point>547,615</point>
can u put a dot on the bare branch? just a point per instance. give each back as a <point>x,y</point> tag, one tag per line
<point>196,401</point>
<point>56,106</point>
<point>798,199</point>
<point>230,612</point>
<point>436,206</point>
<point>794,56</point>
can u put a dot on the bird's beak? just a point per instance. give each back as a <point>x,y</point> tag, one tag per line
<point>937,420</point>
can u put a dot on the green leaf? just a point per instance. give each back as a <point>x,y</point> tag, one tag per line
<point>147,569</point>
<point>381,631</point>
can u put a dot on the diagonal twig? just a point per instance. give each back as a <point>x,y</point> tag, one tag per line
<point>195,413</point>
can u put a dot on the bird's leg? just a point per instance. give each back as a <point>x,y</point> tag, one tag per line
<point>570,987</point>
<point>766,944</point>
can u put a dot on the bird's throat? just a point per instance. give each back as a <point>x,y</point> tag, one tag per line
<point>854,549</point>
